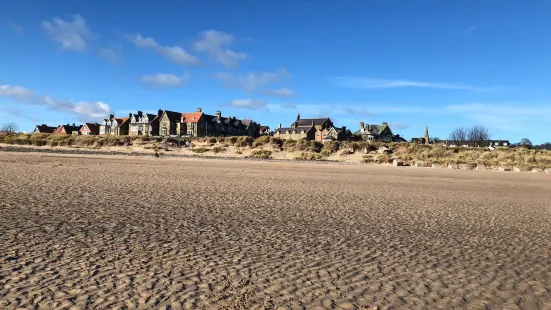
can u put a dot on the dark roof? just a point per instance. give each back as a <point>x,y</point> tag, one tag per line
<point>308,121</point>
<point>92,126</point>
<point>173,116</point>
<point>45,128</point>
<point>70,128</point>
<point>293,129</point>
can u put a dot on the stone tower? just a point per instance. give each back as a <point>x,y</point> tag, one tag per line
<point>427,140</point>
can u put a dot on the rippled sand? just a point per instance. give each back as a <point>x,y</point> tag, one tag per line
<point>108,232</point>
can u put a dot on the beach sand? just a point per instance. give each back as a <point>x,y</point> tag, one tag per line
<point>105,232</point>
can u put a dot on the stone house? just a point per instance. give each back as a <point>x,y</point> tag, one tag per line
<point>144,124</point>
<point>90,129</point>
<point>114,126</point>
<point>195,124</point>
<point>44,129</point>
<point>333,134</point>
<point>67,129</point>
<point>375,132</point>
<point>264,130</point>
<point>171,124</point>
<point>305,128</point>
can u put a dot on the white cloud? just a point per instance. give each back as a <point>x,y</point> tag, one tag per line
<point>366,83</point>
<point>175,54</point>
<point>84,110</point>
<point>252,81</point>
<point>162,80</point>
<point>468,30</point>
<point>215,43</point>
<point>18,29</point>
<point>512,117</point>
<point>250,104</point>
<point>279,93</point>
<point>16,92</point>
<point>109,54</point>
<point>72,35</point>
<point>398,125</point>
<point>360,112</point>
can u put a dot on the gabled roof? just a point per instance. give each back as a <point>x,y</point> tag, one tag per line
<point>192,117</point>
<point>93,127</point>
<point>121,120</point>
<point>173,116</point>
<point>68,128</point>
<point>45,128</point>
<point>308,121</point>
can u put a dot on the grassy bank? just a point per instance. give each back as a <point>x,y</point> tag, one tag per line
<point>270,147</point>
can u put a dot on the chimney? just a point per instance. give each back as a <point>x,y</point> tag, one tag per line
<point>199,110</point>
<point>111,116</point>
<point>74,125</point>
<point>218,114</point>
<point>298,116</point>
<point>385,124</point>
<point>43,124</point>
<point>343,128</point>
<point>140,113</point>
<point>362,125</point>
<point>129,115</point>
<point>159,113</point>
<point>279,125</point>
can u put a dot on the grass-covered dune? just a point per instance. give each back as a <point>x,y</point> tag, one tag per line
<point>267,147</point>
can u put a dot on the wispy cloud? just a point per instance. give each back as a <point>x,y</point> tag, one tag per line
<point>252,81</point>
<point>398,125</point>
<point>468,30</point>
<point>283,92</point>
<point>366,83</point>
<point>288,106</point>
<point>360,112</point>
<point>216,44</point>
<point>162,80</point>
<point>249,104</point>
<point>110,54</point>
<point>16,28</point>
<point>82,109</point>
<point>512,117</point>
<point>175,54</point>
<point>71,35</point>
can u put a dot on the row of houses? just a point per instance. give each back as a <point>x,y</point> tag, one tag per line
<point>164,123</point>
<point>199,124</point>
<point>323,130</point>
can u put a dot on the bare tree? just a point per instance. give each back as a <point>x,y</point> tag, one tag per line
<point>525,142</point>
<point>9,127</point>
<point>459,135</point>
<point>478,136</point>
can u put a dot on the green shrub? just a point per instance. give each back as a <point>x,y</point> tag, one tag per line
<point>309,156</point>
<point>382,159</point>
<point>264,154</point>
<point>329,148</point>
<point>218,149</point>
<point>199,150</point>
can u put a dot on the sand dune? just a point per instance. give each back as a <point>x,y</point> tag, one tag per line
<point>108,232</point>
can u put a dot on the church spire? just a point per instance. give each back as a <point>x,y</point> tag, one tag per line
<point>427,140</point>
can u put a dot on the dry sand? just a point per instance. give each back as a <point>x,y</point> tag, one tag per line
<point>108,232</point>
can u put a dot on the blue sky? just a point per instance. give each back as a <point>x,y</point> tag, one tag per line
<point>409,63</point>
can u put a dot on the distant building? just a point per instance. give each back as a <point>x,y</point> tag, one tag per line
<point>305,128</point>
<point>144,124</point>
<point>114,126</point>
<point>375,132</point>
<point>90,129</point>
<point>333,134</point>
<point>68,129</point>
<point>44,128</point>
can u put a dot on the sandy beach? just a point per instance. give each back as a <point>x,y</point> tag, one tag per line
<point>106,232</point>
